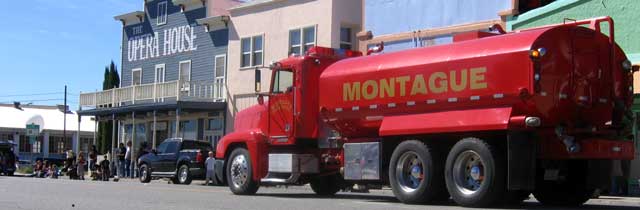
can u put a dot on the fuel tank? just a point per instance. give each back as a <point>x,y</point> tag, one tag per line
<point>574,78</point>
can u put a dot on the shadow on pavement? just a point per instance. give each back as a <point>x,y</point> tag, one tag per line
<point>371,198</point>
<point>528,205</point>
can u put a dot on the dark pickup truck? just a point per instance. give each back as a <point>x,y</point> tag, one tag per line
<point>181,160</point>
<point>7,158</point>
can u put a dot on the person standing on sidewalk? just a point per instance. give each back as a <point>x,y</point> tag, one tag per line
<point>81,163</point>
<point>127,161</point>
<point>210,165</point>
<point>121,161</point>
<point>93,159</point>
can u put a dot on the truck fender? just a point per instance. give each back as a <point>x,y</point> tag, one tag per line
<point>183,159</point>
<point>255,142</point>
<point>496,118</point>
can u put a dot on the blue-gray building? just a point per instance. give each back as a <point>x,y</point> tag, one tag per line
<point>172,74</point>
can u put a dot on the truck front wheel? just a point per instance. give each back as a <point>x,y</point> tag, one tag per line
<point>475,173</point>
<point>415,173</point>
<point>326,185</point>
<point>240,173</point>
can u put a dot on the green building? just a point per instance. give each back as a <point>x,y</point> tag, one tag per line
<point>626,16</point>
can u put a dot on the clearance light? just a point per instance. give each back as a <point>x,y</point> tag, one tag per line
<point>537,53</point>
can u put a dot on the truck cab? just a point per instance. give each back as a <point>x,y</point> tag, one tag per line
<point>283,129</point>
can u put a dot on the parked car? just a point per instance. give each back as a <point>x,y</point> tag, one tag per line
<point>181,160</point>
<point>7,158</point>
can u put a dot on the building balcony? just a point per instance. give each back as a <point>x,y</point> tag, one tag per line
<point>166,92</point>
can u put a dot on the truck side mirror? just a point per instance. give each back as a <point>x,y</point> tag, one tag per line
<point>258,77</point>
<point>260,99</point>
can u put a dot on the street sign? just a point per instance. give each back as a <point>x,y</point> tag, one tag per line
<point>33,130</point>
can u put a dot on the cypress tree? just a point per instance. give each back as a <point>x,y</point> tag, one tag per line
<point>111,80</point>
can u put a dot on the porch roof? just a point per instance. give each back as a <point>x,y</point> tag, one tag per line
<point>161,106</point>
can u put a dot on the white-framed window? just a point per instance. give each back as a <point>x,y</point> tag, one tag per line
<point>161,17</point>
<point>220,65</point>
<point>346,41</point>
<point>219,74</point>
<point>184,68</point>
<point>136,76</point>
<point>252,51</point>
<point>302,39</point>
<point>160,73</point>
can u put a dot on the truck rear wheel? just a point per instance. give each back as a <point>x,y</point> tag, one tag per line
<point>240,173</point>
<point>415,173</point>
<point>516,197</point>
<point>326,185</point>
<point>572,191</point>
<point>184,175</point>
<point>475,173</point>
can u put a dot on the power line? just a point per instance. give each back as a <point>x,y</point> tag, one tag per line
<point>39,100</point>
<point>32,94</point>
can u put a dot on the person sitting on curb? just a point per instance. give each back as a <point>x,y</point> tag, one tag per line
<point>37,169</point>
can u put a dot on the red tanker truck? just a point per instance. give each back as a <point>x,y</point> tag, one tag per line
<point>487,119</point>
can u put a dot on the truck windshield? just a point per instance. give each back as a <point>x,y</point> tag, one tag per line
<point>283,80</point>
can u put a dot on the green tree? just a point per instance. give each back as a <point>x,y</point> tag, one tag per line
<point>111,80</point>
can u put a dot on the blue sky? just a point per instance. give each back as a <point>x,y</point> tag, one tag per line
<point>46,44</point>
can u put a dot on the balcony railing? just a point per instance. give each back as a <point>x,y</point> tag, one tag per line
<point>156,92</point>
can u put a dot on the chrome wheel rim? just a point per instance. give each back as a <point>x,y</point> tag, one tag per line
<point>239,170</point>
<point>183,174</point>
<point>409,172</point>
<point>468,172</point>
<point>144,173</point>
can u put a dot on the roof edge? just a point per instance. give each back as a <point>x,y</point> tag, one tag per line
<point>516,20</point>
<point>254,4</point>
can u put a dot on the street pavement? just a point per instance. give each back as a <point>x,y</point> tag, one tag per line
<point>33,193</point>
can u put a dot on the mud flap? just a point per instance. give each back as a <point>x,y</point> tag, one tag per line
<point>522,161</point>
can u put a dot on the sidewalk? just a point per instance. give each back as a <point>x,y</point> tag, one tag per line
<point>611,200</point>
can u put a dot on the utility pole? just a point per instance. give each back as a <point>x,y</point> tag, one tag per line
<point>64,125</point>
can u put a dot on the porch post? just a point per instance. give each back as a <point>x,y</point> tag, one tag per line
<point>95,129</point>
<point>113,136</point>
<point>133,144</point>
<point>45,144</point>
<point>78,138</point>
<point>153,130</point>
<point>177,123</point>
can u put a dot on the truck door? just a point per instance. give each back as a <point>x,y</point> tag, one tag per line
<point>169,156</point>
<point>155,163</point>
<point>281,106</point>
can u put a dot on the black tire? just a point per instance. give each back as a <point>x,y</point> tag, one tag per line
<point>243,171</point>
<point>10,174</point>
<point>145,173</point>
<point>327,185</point>
<point>183,175</point>
<point>426,163</point>
<point>571,192</point>
<point>516,197</point>
<point>493,174</point>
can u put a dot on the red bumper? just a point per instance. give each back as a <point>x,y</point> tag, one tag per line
<point>592,148</point>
